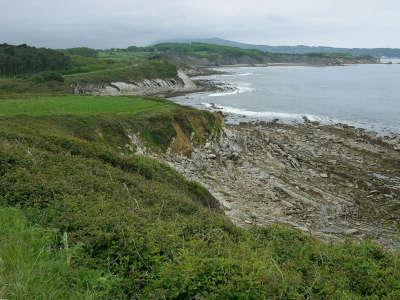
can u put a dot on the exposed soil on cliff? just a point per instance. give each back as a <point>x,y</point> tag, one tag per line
<point>331,181</point>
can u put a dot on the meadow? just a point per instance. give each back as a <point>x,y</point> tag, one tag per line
<point>79,105</point>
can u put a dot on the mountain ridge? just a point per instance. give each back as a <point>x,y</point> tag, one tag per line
<point>297,49</point>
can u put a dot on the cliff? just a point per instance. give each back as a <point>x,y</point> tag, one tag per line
<point>142,87</point>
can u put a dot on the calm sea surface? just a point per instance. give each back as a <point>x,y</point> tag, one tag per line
<point>365,96</point>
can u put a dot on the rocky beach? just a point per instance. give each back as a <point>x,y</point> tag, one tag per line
<point>331,181</point>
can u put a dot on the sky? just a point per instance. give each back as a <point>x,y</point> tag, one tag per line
<point>121,23</point>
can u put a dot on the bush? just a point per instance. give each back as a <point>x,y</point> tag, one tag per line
<point>82,51</point>
<point>33,265</point>
<point>47,76</point>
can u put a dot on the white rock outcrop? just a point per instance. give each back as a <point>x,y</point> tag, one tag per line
<point>144,87</point>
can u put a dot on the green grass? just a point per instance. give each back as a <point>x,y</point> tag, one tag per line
<point>79,105</point>
<point>137,229</point>
<point>33,265</point>
<point>138,71</point>
<point>12,88</point>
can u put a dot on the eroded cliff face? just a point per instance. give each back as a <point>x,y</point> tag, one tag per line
<point>145,87</point>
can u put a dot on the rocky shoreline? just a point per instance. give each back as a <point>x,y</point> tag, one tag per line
<point>331,181</point>
<point>335,182</point>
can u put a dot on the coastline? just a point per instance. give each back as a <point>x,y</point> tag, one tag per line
<point>234,115</point>
<point>333,181</point>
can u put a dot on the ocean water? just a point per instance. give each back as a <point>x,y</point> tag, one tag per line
<point>366,96</point>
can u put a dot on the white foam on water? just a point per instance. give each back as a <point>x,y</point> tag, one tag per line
<point>270,115</point>
<point>221,94</point>
<point>239,89</point>
<point>239,84</point>
<point>247,115</point>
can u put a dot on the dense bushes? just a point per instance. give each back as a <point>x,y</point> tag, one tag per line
<point>47,76</point>
<point>82,51</point>
<point>35,263</point>
<point>22,59</point>
<point>205,48</point>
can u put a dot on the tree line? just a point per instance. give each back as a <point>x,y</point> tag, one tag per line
<point>23,59</point>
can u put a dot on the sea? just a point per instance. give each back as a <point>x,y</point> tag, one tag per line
<point>365,96</point>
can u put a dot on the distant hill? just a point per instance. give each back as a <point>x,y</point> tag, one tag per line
<point>300,49</point>
<point>206,54</point>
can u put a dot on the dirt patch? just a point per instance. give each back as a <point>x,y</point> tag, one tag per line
<point>181,144</point>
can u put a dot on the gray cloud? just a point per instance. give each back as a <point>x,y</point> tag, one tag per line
<point>119,23</point>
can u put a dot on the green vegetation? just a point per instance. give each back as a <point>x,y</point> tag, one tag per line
<point>30,70</point>
<point>85,71</point>
<point>83,216</point>
<point>22,59</point>
<point>82,64</point>
<point>206,50</point>
<point>34,265</point>
<point>81,51</point>
<point>47,76</point>
<point>209,54</point>
<point>15,87</point>
<point>144,70</point>
<point>78,105</point>
<point>107,223</point>
<point>300,49</point>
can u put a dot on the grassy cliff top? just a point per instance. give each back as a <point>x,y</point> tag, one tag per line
<point>80,105</point>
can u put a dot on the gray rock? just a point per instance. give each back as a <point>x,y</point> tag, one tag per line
<point>253,215</point>
<point>351,231</point>
<point>226,206</point>
<point>332,230</point>
<point>234,156</point>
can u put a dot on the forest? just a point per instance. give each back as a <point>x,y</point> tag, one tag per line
<point>23,59</point>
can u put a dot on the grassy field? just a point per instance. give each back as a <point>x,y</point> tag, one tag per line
<point>82,212</point>
<point>34,266</point>
<point>79,105</point>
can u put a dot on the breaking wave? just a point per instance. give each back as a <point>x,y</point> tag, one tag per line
<point>270,115</point>
<point>240,89</point>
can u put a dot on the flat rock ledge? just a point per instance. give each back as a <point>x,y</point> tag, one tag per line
<point>333,182</point>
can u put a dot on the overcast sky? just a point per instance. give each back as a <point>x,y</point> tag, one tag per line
<point>120,23</point>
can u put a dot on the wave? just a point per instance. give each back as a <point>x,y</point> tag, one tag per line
<point>270,115</point>
<point>235,115</point>
<point>238,90</point>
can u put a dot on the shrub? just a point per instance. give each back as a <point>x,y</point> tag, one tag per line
<point>47,76</point>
